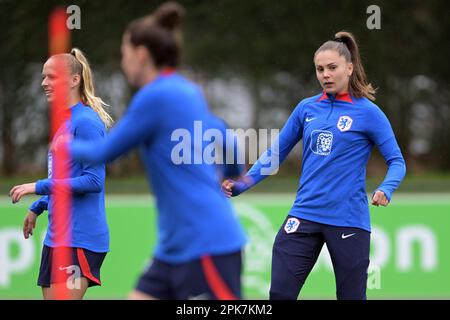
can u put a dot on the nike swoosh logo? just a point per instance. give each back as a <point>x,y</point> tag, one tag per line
<point>203,296</point>
<point>64,268</point>
<point>348,235</point>
<point>309,119</point>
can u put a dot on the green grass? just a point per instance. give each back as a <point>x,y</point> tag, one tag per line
<point>285,182</point>
<point>133,234</point>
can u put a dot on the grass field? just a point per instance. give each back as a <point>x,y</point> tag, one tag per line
<point>284,182</point>
<point>409,256</point>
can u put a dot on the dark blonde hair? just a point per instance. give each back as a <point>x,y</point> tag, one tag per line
<point>78,64</point>
<point>345,44</point>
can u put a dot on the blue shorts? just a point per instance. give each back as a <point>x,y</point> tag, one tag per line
<point>84,263</point>
<point>297,247</point>
<point>208,278</point>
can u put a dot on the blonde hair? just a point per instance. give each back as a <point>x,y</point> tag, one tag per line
<point>78,64</point>
<point>345,44</point>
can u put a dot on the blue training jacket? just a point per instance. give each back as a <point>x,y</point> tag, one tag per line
<point>194,217</point>
<point>88,227</point>
<point>338,135</point>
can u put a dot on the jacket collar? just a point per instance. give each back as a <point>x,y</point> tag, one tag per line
<point>340,96</point>
<point>167,71</point>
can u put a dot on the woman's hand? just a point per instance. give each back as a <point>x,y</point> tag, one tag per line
<point>227,187</point>
<point>232,188</point>
<point>29,223</point>
<point>19,191</point>
<point>379,198</point>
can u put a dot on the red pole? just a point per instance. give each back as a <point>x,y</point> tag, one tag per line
<point>59,42</point>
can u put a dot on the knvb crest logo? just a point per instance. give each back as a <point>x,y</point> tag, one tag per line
<point>344,123</point>
<point>321,142</point>
<point>291,225</point>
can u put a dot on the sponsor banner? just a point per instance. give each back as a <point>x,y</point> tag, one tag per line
<point>408,249</point>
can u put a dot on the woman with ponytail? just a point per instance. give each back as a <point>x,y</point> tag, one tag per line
<point>88,230</point>
<point>198,251</point>
<point>339,128</point>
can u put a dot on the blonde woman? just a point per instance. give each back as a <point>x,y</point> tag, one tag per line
<point>88,230</point>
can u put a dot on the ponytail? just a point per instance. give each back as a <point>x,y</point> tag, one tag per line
<point>345,44</point>
<point>87,91</point>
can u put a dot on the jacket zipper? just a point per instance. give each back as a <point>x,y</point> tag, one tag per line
<point>331,109</point>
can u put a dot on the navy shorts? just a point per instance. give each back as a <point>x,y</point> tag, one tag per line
<point>297,247</point>
<point>208,278</point>
<point>84,263</point>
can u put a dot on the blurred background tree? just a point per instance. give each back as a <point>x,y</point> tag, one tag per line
<point>254,62</point>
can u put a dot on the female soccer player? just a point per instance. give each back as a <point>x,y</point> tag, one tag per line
<point>339,127</point>
<point>198,251</point>
<point>88,229</point>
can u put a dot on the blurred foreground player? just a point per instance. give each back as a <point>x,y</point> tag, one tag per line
<point>198,251</point>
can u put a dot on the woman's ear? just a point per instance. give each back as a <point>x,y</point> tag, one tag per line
<point>142,53</point>
<point>76,80</point>
<point>144,56</point>
<point>350,68</point>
